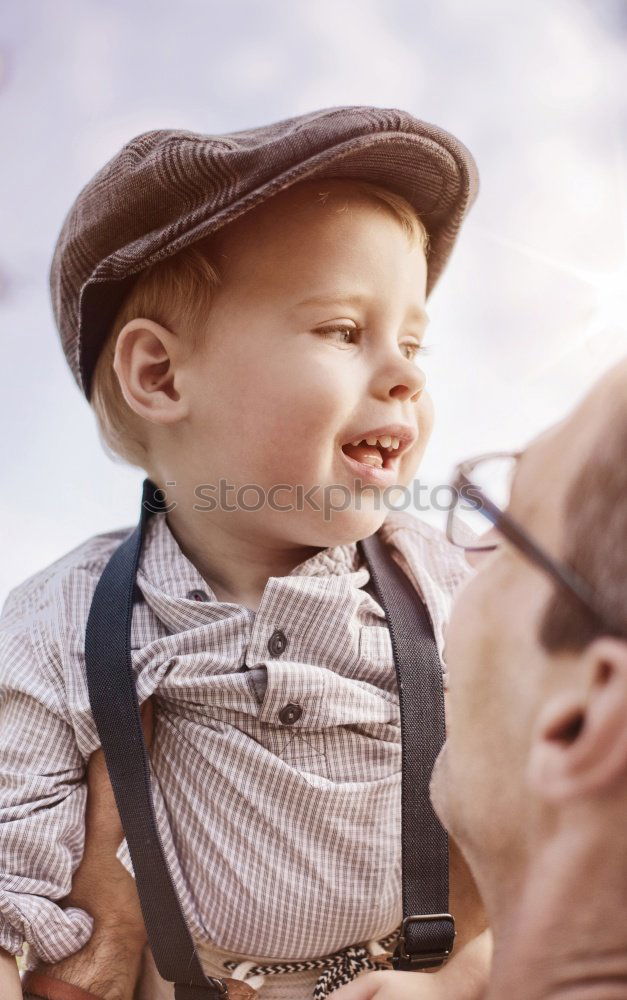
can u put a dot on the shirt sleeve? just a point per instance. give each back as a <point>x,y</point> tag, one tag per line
<point>43,796</point>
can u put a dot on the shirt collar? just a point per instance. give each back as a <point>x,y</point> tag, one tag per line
<point>164,567</point>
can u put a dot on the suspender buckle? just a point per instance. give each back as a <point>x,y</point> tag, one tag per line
<point>408,961</point>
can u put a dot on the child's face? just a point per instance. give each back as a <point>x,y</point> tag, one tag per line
<point>280,385</point>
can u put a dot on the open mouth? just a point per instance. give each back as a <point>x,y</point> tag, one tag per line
<point>379,453</point>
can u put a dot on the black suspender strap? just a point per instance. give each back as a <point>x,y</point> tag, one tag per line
<point>428,930</point>
<point>116,712</point>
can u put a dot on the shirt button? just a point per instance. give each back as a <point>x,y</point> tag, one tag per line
<point>197,595</point>
<point>277,642</point>
<point>290,714</point>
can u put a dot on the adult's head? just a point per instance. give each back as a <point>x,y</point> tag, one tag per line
<point>537,750</point>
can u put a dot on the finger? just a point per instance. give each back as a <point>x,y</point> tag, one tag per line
<point>391,985</point>
<point>102,819</point>
<point>365,987</point>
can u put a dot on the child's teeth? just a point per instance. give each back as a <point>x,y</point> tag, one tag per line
<point>387,441</point>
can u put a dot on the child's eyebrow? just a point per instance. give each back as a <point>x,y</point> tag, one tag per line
<point>337,299</point>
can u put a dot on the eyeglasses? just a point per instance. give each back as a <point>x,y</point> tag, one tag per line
<point>481,490</point>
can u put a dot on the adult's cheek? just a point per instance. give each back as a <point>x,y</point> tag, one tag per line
<point>439,785</point>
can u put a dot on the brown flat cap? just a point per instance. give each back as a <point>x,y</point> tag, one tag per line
<point>168,188</point>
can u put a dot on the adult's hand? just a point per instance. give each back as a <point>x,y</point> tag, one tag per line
<point>391,986</point>
<point>101,885</point>
<point>464,977</point>
<point>108,965</point>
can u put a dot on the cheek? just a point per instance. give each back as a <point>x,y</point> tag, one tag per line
<point>254,389</point>
<point>424,423</point>
<point>425,414</point>
<point>487,696</point>
<point>439,786</point>
<point>470,638</point>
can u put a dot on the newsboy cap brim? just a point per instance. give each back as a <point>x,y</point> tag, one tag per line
<point>168,188</point>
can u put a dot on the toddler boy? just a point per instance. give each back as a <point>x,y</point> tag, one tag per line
<point>246,315</point>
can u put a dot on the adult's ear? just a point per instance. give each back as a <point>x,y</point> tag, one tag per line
<point>579,746</point>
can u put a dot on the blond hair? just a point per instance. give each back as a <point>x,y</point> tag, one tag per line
<point>177,293</point>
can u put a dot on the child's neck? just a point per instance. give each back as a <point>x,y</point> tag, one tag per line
<point>234,566</point>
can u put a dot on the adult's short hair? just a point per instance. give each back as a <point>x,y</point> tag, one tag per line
<point>595,519</point>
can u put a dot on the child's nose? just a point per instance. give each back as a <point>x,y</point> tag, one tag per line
<point>412,386</point>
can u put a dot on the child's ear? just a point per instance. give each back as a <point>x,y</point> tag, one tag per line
<point>579,746</point>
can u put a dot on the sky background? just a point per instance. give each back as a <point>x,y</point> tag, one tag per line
<point>531,308</point>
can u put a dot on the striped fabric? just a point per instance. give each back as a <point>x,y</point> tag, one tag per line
<point>283,838</point>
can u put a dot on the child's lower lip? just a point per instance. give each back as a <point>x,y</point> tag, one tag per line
<point>370,474</point>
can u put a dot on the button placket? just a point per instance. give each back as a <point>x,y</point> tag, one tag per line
<point>290,714</point>
<point>197,595</point>
<point>277,643</point>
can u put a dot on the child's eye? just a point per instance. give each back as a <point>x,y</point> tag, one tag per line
<point>328,330</point>
<point>414,348</point>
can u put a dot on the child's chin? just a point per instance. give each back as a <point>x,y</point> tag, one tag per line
<point>351,525</point>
